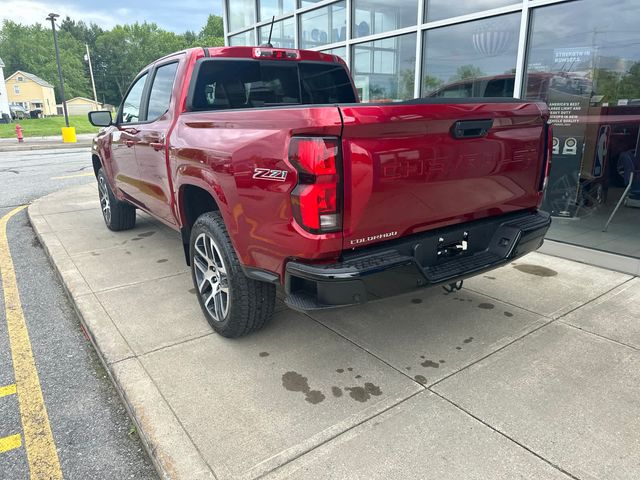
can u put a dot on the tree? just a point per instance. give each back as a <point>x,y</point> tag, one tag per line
<point>212,34</point>
<point>117,54</point>
<point>30,49</point>
<point>465,72</point>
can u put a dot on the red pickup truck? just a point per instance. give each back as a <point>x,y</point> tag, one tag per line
<point>275,175</point>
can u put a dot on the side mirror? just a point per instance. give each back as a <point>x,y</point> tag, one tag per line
<point>101,118</point>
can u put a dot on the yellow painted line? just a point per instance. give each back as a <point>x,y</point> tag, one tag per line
<point>38,439</point>
<point>7,390</point>
<point>10,443</point>
<point>64,177</point>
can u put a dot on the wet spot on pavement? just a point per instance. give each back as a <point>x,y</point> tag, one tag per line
<point>442,361</point>
<point>350,369</point>
<point>162,260</point>
<point>146,234</point>
<point>193,290</point>
<point>430,364</point>
<point>95,254</point>
<point>362,394</point>
<point>264,354</point>
<point>486,306</point>
<point>536,270</point>
<point>458,348</point>
<point>336,391</point>
<point>468,340</point>
<point>340,370</point>
<point>358,376</point>
<point>136,239</point>
<point>408,368</point>
<point>490,278</point>
<point>416,300</point>
<point>421,379</point>
<point>508,314</point>
<point>127,252</point>
<point>294,382</point>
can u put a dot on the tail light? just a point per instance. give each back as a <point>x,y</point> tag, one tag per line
<point>316,200</point>
<point>548,149</point>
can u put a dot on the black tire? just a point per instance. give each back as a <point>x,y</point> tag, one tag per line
<point>117,215</point>
<point>249,303</point>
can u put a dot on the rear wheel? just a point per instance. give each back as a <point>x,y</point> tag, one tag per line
<point>117,215</point>
<point>233,304</point>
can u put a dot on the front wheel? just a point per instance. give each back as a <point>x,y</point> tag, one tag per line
<point>233,304</point>
<point>117,215</point>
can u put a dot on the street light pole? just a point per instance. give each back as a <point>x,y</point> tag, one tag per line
<point>93,83</point>
<point>52,17</point>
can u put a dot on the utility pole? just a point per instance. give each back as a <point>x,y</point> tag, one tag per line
<point>52,17</point>
<point>87,58</point>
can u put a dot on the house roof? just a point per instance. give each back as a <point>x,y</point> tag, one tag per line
<point>81,98</point>
<point>31,77</point>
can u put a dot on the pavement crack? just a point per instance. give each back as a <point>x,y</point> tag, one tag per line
<point>521,445</point>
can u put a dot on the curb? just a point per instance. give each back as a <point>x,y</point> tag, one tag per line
<point>31,147</point>
<point>170,449</point>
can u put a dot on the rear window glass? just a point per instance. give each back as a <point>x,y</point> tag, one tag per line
<point>226,84</point>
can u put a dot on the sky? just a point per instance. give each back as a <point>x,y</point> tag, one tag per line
<point>174,15</point>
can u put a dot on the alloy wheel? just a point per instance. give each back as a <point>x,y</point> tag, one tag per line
<point>211,277</point>
<point>105,204</point>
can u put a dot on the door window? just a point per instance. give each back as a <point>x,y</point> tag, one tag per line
<point>131,105</point>
<point>161,90</point>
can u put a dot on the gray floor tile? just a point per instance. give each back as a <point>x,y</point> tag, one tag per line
<point>567,395</point>
<point>253,403</point>
<point>423,438</point>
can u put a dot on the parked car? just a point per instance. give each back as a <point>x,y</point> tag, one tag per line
<point>276,176</point>
<point>18,112</point>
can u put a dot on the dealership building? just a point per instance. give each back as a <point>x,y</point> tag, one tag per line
<point>582,57</point>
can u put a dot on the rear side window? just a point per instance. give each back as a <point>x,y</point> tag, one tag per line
<point>161,90</point>
<point>228,84</point>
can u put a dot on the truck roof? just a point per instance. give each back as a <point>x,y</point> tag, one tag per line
<point>249,52</point>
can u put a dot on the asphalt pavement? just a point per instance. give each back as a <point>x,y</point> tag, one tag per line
<point>93,434</point>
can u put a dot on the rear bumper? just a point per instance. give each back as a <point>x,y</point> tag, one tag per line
<point>414,262</point>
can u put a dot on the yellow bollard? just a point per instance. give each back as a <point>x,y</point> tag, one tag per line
<point>69,135</point>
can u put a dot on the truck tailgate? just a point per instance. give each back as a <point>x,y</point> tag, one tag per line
<point>420,165</point>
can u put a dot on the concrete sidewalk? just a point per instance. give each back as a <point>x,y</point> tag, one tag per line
<point>42,143</point>
<point>531,371</point>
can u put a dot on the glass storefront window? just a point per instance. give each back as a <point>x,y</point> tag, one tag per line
<point>439,9</point>
<point>244,38</point>
<point>283,33</point>
<point>340,51</point>
<point>384,70</point>
<point>323,25</point>
<point>242,13</point>
<point>377,16</point>
<point>473,59</point>
<point>586,65</point>
<point>270,8</point>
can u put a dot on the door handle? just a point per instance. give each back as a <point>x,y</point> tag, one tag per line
<point>471,128</point>
<point>132,131</point>
<point>157,146</point>
<point>129,143</point>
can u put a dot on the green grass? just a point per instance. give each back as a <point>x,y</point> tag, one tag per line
<point>44,127</point>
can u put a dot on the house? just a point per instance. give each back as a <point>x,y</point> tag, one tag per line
<point>4,99</point>
<point>31,92</point>
<point>82,106</point>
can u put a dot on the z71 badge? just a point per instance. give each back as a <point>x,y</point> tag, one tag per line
<point>268,174</point>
